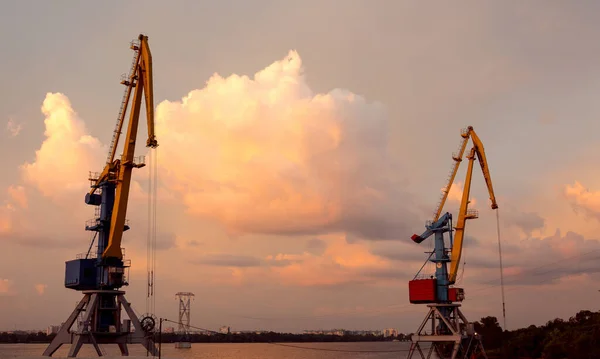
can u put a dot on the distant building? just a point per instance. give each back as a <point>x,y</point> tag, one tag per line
<point>169,330</point>
<point>53,329</point>
<point>342,332</point>
<point>391,332</point>
<point>225,330</point>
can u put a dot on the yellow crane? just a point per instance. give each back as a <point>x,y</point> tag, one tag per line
<point>100,277</point>
<point>464,213</point>
<point>442,223</point>
<point>446,319</point>
<point>118,171</point>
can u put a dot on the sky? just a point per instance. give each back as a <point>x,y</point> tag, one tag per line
<point>301,144</point>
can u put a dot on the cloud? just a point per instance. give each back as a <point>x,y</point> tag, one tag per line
<point>193,243</point>
<point>342,263</point>
<point>339,264</point>
<point>6,219</point>
<point>264,155</point>
<point>401,251</point>
<point>529,261</point>
<point>164,241</point>
<point>538,260</point>
<point>18,195</point>
<point>41,288</point>
<point>527,222</point>
<point>388,273</point>
<point>408,251</point>
<point>13,128</point>
<point>316,246</point>
<point>66,155</point>
<point>267,155</point>
<point>282,260</point>
<point>8,211</point>
<point>228,260</point>
<point>6,287</point>
<point>241,261</point>
<point>456,191</point>
<point>583,200</point>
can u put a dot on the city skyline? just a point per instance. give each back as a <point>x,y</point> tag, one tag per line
<point>386,332</point>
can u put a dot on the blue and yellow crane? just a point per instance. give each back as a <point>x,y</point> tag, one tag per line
<point>438,290</point>
<point>110,189</point>
<point>449,334</point>
<point>100,274</point>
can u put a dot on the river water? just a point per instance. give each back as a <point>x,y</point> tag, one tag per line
<point>368,350</point>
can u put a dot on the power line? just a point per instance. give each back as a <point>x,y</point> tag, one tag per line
<point>299,346</point>
<point>339,350</point>
<point>501,269</point>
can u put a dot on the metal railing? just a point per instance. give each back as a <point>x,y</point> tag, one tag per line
<point>94,254</point>
<point>91,223</point>
<point>423,276</point>
<point>139,160</point>
<point>472,213</point>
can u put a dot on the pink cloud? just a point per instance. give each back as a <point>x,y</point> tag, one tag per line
<point>68,153</point>
<point>7,287</point>
<point>456,192</point>
<point>18,195</point>
<point>583,200</point>
<point>342,262</point>
<point>13,127</point>
<point>267,155</point>
<point>41,288</point>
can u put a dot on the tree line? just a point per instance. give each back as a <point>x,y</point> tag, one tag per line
<point>575,338</point>
<point>263,337</point>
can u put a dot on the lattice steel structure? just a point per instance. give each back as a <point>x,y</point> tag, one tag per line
<point>184,315</point>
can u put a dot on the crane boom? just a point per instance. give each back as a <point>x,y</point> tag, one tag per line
<point>457,157</point>
<point>144,83</point>
<point>464,212</point>
<point>119,171</point>
<point>479,150</point>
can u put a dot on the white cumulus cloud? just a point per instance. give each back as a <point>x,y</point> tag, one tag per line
<point>583,200</point>
<point>67,154</point>
<point>268,155</point>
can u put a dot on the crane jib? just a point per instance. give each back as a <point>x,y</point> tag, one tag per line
<point>445,277</point>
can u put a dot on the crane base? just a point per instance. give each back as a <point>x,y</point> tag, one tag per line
<point>93,308</point>
<point>451,336</point>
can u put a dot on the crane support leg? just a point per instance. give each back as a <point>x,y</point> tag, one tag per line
<point>450,335</point>
<point>64,336</point>
<point>95,306</point>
